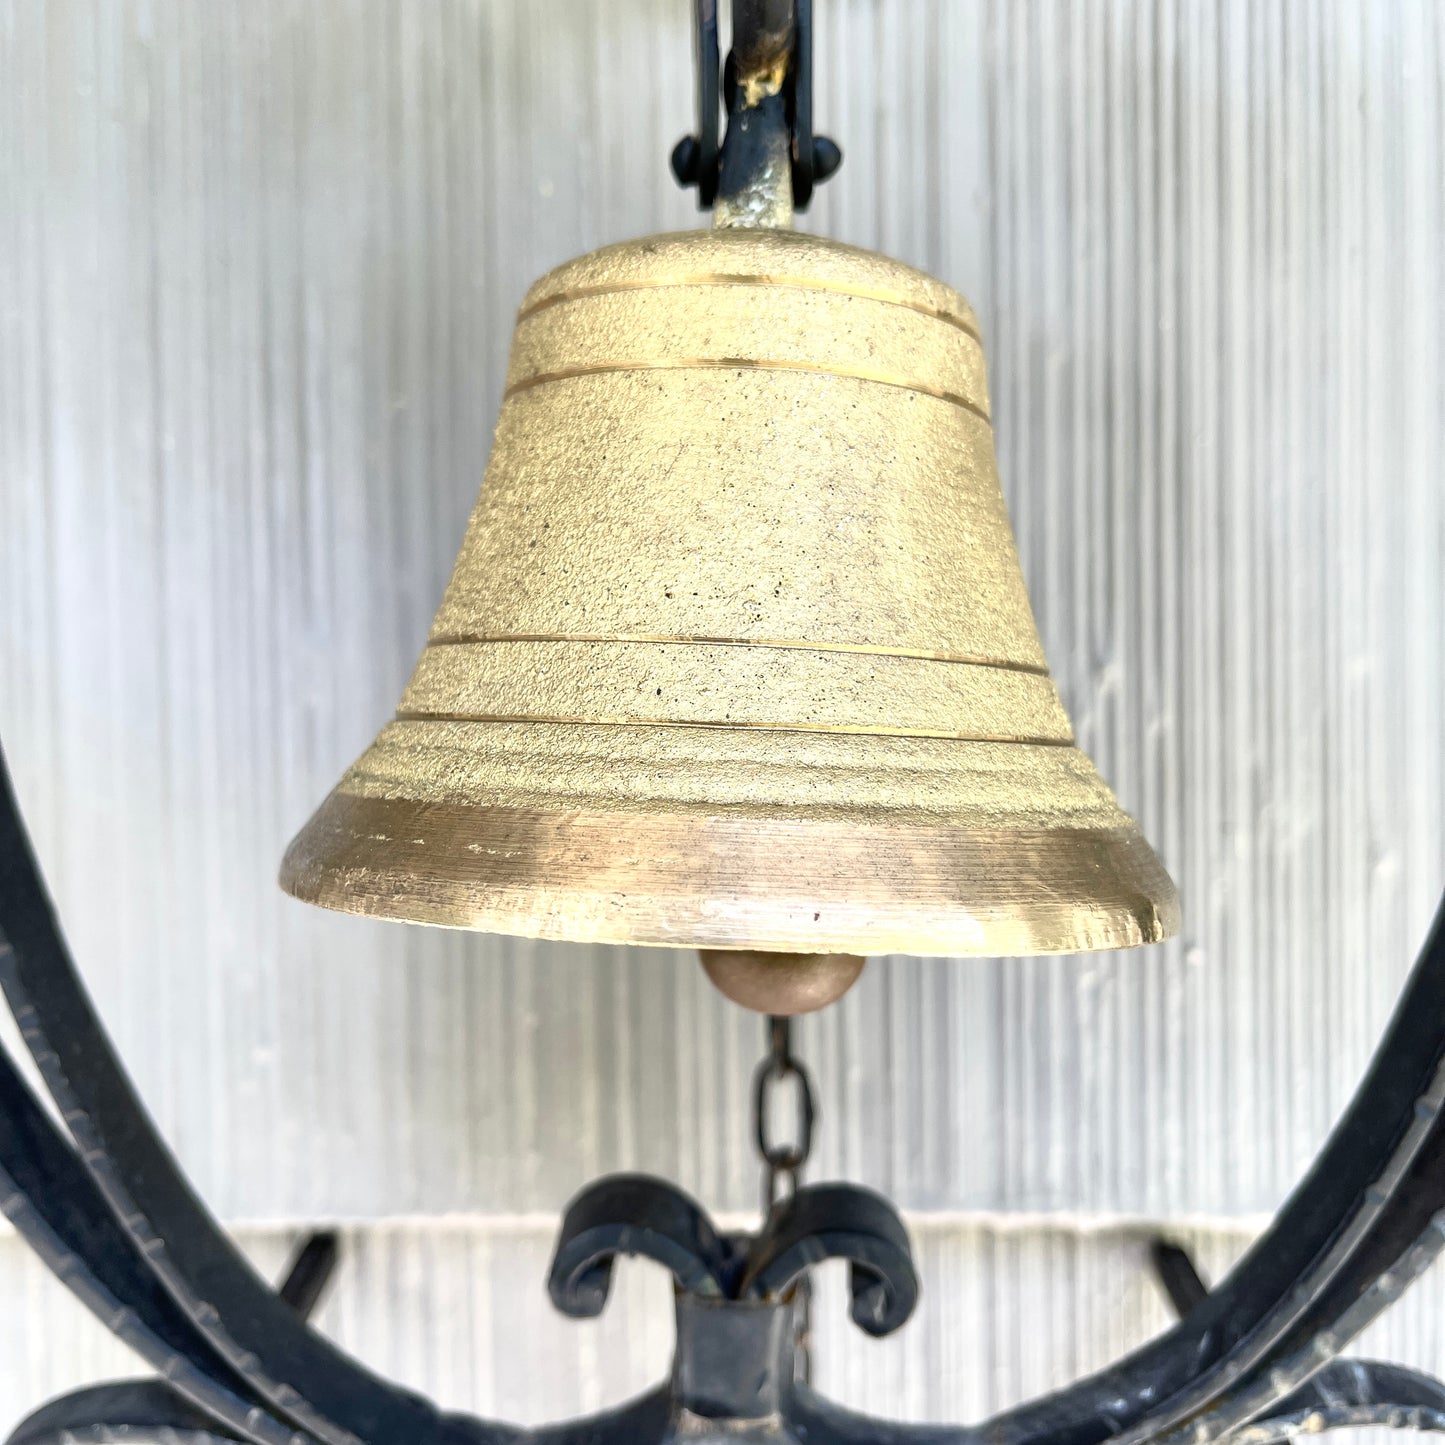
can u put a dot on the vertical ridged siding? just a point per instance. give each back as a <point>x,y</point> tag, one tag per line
<point>258,266</point>
<point>457,1309</point>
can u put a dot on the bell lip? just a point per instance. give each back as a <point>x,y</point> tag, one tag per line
<point>765,883</point>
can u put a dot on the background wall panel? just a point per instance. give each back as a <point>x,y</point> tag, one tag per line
<point>257,271</point>
<point>454,1307</point>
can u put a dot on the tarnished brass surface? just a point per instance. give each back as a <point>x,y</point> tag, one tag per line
<point>737,651</point>
<point>611,681</point>
<point>792,886</point>
<point>802,773</point>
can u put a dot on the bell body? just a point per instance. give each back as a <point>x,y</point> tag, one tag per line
<point>737,653</point>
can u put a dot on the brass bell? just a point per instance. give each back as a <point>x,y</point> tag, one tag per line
<point>737,653</point>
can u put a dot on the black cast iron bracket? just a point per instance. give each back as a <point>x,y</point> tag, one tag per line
<point>111,1213</point>
<point>716,166</point>
<point>635,1214</point>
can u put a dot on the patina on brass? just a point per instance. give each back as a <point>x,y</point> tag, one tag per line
<point>781,984</point>
<point>737,653</point>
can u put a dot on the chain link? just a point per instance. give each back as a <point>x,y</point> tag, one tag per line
<point>783,1162</point>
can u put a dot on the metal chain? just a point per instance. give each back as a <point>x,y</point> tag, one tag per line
<point>783,1163</point>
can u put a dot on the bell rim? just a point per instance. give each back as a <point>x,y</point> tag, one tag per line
<point>733,880</point>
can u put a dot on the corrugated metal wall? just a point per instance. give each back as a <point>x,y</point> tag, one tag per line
<point>257,270</point>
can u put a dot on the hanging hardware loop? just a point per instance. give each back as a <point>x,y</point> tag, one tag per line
<point>766,86</point>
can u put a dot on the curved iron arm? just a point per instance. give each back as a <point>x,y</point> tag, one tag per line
<point>1386,1415</point>
<point>1361,1209</point>
<point>131,1411</point>
<point>1350,1393</point>
<point>56,1208</point>
<point>1345,1394</point>
<point>302,1377</point>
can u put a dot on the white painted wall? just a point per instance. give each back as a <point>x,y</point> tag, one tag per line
<point>257,270</point>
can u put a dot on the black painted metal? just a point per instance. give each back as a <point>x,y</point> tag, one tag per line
<point>694,157</point>
<point>310,1271</point>
<point>734,1358</point>
<point>637,1215</point>
<point>748,147</point>
<point>838,1221</point>
<point>119,1222</point>
<point>57,1209</point>
<point>1344,1393</point>
<point>815,158</point>
<point>780,1070</point>
<point>1349,1393</point>
<point>300,1376</point>
<point>1175,1271</point>
<point>1359,1196</point>
<point>760,1407</point>
<point>130,1411</point>
<point>702,160</point>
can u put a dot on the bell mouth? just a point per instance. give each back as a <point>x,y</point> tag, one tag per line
<point>734,882</point>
